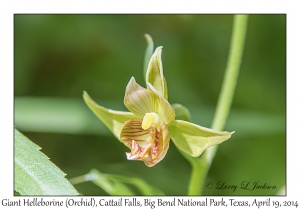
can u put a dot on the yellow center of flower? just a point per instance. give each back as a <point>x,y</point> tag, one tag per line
<point>151,119</point>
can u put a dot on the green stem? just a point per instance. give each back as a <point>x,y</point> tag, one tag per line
<point>201,165</point>
<point>232,71</point>
<point>197,175</point>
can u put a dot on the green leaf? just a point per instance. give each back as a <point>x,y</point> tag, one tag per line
<point>194,139</point>
<point>109,186</point>
<point>35,174</point>
<point>116,184</point>
<point>114,120</point>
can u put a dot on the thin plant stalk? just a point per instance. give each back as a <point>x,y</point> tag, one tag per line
<point>201,165</point>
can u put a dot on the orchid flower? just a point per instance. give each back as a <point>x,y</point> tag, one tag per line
<point>146,130</point>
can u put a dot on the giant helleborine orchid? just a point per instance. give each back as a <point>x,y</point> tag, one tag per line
<point>146,130</point>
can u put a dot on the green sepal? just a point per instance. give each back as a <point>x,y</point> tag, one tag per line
<point>194,139</point>
<point>155,75</point>
<point>114,120</point>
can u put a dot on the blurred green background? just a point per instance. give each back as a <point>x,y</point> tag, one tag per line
<point>56,57</point>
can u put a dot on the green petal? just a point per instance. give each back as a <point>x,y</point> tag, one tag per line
<point>140,101</point>
<point>114,120</point>
<point>155,75</point>
<point>194,139</point>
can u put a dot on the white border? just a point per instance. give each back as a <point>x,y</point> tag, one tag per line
<point>8,8</point>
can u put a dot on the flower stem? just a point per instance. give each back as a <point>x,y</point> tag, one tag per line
<point>197,174</point>
<point>201,165</point>
<point>232,71</point>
